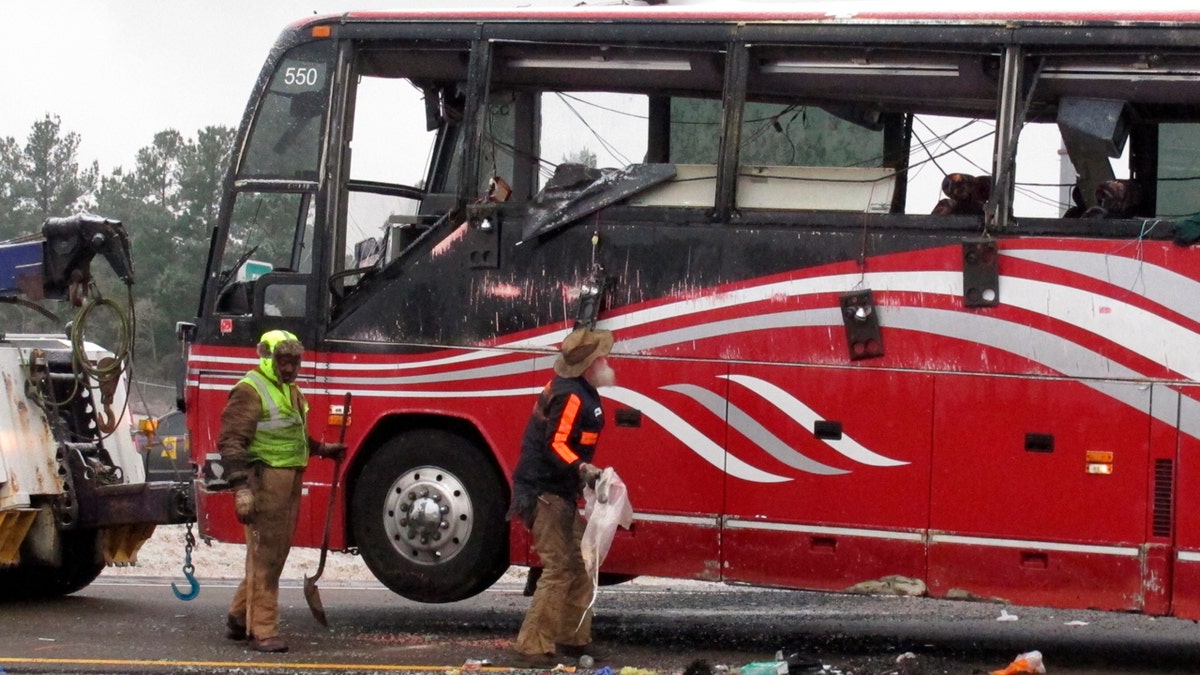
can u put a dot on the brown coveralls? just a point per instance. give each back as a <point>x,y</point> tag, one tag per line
<point>276,509</point>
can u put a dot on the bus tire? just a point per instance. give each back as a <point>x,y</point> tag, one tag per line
<point>428,517</point>
<point>80,567</point>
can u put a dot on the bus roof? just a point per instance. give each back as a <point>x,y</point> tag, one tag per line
<point>1100,12</point>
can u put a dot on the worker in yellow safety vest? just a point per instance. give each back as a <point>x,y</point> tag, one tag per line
<point>265,447</point>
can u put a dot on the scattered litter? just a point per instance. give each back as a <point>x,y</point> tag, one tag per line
<point>906,656</point>
<point>604,671</point>
<point>475,664</point>
<point>1005,616</point>
<point>563,668</point>
<point>586,661</point>
<point>892,584</point>
<point>765,668</point>
<point>1029,662</point>
<point>630,670</point>
<point>1076,623</point>
<point>47,639</point>
<point>798,663</point>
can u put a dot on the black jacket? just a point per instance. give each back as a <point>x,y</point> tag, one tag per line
<point>562,433</point>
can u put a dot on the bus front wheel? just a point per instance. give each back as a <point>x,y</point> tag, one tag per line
<point>428,517</point>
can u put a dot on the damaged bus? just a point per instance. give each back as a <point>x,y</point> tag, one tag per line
<point>895,293</point>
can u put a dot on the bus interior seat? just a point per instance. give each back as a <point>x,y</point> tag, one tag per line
<point>965,195</point>
<point>790,188</point>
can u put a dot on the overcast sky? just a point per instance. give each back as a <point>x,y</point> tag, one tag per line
<point>119,71</point>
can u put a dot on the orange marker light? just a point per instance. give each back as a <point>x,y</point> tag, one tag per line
<point>338,416</point>
<point>1099,462</point>
<point>322,31</point>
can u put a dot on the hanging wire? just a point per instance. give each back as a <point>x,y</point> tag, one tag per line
<point>105,372</point>
<point>604,143</point>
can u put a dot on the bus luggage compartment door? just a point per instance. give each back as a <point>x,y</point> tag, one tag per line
<point>848,449</point>
<point>1041,492</point>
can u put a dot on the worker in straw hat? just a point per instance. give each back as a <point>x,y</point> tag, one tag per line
<point>555,463</point>
<point>265,447</point>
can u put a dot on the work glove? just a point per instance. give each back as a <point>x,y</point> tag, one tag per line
<point>331,450</point>
<point>243,504</point>
<point>589,474</point>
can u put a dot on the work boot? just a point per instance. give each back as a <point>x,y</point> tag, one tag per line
<point>270,644</point>
<point>235,628</point>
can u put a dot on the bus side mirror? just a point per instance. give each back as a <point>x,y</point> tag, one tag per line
<point>185,331</point>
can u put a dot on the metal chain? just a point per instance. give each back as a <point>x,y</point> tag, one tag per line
<point>189,543</point>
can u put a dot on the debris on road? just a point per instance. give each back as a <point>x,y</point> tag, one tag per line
<point>1029,662</point>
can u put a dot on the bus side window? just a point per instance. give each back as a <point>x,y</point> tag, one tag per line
<point>269,233</point>
<point>390,152</point>
<point>1178,166</point>
<point>850,129</point>
<point>282,294</point>
<point>797,156</point>
<point>595,129</point>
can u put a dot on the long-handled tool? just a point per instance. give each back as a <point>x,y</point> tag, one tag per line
<point>251,549</point>
<point>311,594</point>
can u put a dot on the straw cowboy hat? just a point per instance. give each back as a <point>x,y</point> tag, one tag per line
<point>580,349</point>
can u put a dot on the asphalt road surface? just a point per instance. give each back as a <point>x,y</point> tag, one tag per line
<point>131,625</point>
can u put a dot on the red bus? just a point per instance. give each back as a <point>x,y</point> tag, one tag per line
<point>895,292</point>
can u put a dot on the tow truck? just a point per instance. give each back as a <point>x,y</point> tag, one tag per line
<point>73,490</point>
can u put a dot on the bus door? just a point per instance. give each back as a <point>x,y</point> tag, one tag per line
<point>1040,491</point>
<point>265,267</point>
<point>827,475</point>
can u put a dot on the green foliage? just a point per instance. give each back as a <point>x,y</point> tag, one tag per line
<point>582,156</point>
<point>42,179</point>
<point>167,202</point>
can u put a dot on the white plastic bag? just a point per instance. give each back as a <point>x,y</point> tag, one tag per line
<point>606,508</point>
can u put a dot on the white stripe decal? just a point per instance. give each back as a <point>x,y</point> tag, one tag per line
<point>893,535</point>
<point>1152,336</point>
<point>699,521</point>
<point>395,393</point>
<point>1157,284</point>
<point>807,417</point>
<point>738,524</point>
<point>541,343</point>
<point>1136,329</point>
<point>690,437</point>
<point>1122,551</point>
<point>1188,556</point>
